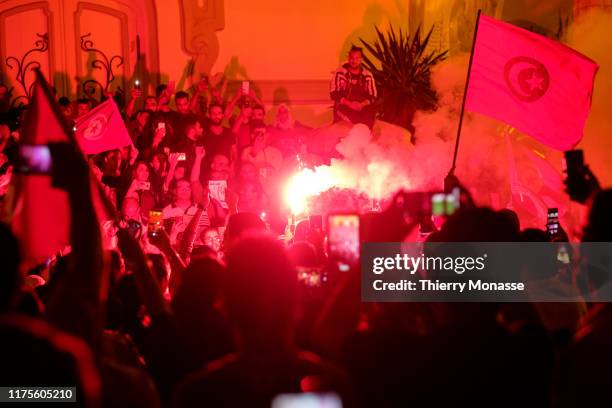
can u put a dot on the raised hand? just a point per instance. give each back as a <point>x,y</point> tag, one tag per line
<point>136,93</point>
<point>133,154</point>
<point>200,152</point>
<point>173,159</point>
<point>161,240</point>
<point>217,79</point>
<point>129,247</point>
<point>160,133</point>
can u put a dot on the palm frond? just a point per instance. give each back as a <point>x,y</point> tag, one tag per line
<point>401,65</point>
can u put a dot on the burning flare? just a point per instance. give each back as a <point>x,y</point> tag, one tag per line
<point>305,184</point>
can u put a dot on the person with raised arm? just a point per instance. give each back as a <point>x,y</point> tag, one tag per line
<point>75,304</point>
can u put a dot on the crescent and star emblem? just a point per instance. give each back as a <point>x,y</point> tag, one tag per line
<point>527,78</point>
<point>95,128</point>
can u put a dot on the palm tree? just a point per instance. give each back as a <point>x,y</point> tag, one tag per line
<point>401,67</point>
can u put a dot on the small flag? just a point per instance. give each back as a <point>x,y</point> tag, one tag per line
<point>102,129</point>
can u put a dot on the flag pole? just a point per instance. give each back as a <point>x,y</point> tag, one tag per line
<point>451,181</point>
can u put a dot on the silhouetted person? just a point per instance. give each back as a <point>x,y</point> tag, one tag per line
<point>241,223</point>
<point>260,295</point>
<point>202,332</point>
<point>585,367</point>
<point>512,217</point>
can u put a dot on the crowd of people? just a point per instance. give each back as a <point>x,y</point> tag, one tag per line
<point>186,159</point>
<point>190,298</point>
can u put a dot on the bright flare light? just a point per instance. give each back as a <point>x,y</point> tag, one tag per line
<point>305,184</point>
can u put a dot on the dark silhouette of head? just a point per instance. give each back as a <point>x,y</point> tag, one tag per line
<point>534,235</point>
<point>512,217</point>
<point>199,287</point>
<point>161,88</point>
<point>260,292</point>
<point>240,223</point>
<point>479,225</point>
<point>302,228</point>
<point>543,263</point>
<point>202,331</point>
<point>124,304</point>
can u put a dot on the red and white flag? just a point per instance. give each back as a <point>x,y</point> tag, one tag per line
<point>102,129</point>
<point>540,86</point>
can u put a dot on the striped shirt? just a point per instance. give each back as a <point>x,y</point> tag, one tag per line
<point>354,87</point>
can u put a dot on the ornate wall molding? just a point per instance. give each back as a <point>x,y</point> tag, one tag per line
<point>48,30</point>
<point>23,65</point>
<point>200,21</point>
<point>79,31</point>
<point>101,62</point>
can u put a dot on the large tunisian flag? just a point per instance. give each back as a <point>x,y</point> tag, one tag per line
<point>102,129</point>
<point>540,86</point>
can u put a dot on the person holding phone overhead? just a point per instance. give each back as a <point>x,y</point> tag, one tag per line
<point>246,99</point>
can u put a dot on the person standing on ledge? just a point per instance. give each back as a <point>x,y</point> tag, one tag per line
<point>354,91</point>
